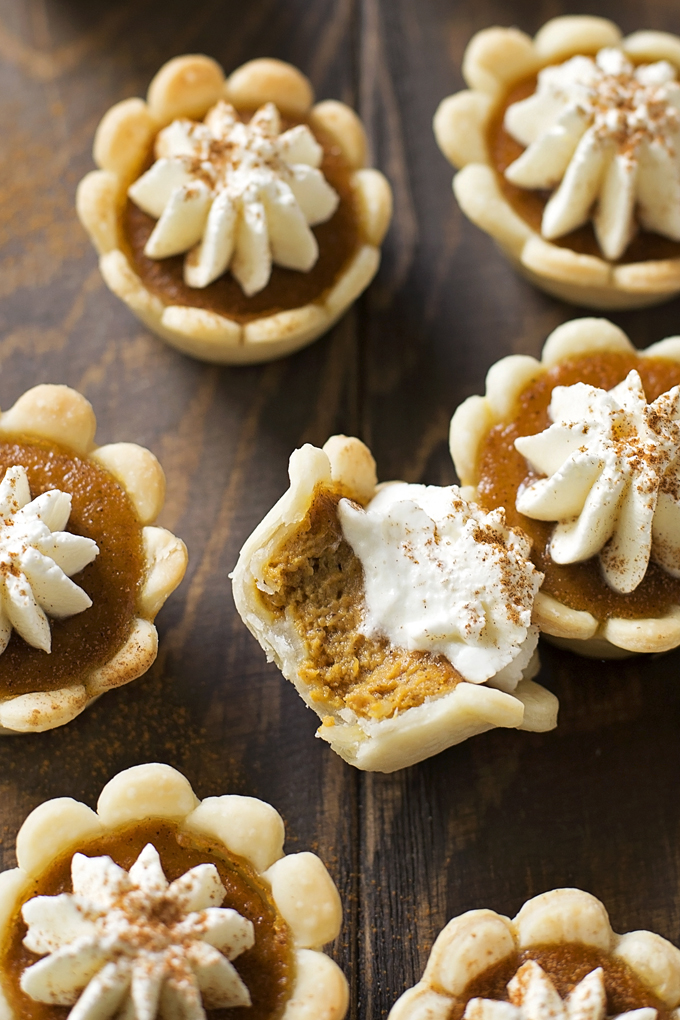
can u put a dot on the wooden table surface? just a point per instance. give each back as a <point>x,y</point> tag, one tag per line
<point>489,822</point>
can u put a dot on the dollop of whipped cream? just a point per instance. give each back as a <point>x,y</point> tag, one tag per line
<point>37,558</point>
<point>533,996</point>
<point>235,196</point>
<point>443,576</point>
<point>613,480</point>
<point>128,944</point>
<point>606,135</point>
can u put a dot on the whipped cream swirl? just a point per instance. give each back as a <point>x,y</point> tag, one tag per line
<point>235,196</point>
<point>606,135</point>
<point>443,576</point>
<point>128,944</point>
<point>37,558</point>
<point>533,996</point>
<point>613,484</point>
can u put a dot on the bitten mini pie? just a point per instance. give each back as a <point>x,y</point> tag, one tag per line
<point>77,605</point>
<point>568,146</point>
<point>161,905</point>
<point>235,217</point>
<point>401,613</point>
<point>557,960</point>
<point>582,449</point>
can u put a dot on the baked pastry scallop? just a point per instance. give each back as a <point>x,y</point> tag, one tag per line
<point>162,905</point>
<point>401,613</point>
<point>234,216</point>
<point>558,959</point>
<point>568,149</point>
<point>83,569</point>
<point>582,449</point>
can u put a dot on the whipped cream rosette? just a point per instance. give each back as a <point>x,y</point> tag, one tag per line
<point>234,216</point>
<point>173,907</point>
<point>77,606</point>
<point>582,449</point>
<point>558,959</point>
<point>401,613</point>
<point>593,122</point>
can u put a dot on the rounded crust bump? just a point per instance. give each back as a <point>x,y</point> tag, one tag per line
<point>354,279</point>
<point>135,657</point>
<point>166,563</point>
<point>540,706</point>
<point>656,280</point>
<point>345,128</point>
<point>459,126</point>
<point>204,327</point>
<point>268,80</point>
<point>469,425</point>
<point>564,265</point>
<point>560,621</point>
<point>565,36</point>
<point>42,710</point>
<point>56,413</point>
<point>307,898</point>
<point>97,198</point>
<point>138,472</point>
<point>13,884</point>
<point>145,791</point>
<point>466,947</point>
<point>373,196</point>
<point>496,57</point>
<point>653,635</point>
<point>655,960</point>
<point>652,46</point>
<point>295,325</point>
<point>320,991</point>
<point>52,828</point>
<point>248,827</point>
<point>123,138</point>
<point>668,348</point>
<point>352,466</point>
<point>480,198</point>
<point>579,337</point>
<point>185,86</point>
<point>564,915</point>
<point>421,1003</point>
<point>506,379</point>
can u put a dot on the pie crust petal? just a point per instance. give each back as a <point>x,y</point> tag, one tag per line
<point>421,1003</point>
<point>655,959</point>
<point>460,124</point>
<point>650,46</point>
<point>145,791</point>
<point>320,992</point>
<point>342,124</point>
<point>42,710</point>
<point>96,199</point>
<point>123,137</point>
<point>564,915</point>
<point>139,473</point>
<point>52,828</point>
<point>467,946</point>
<point>55,413</point>
<point>374,201</point>
<point>267,80</point>
<point>307,897</point>
<point>653,635</point>
<point>204,332</point>
<point>135,657</point>
<point>357,275</point>
<point>166,562</point>
<point>498,56</point>
<point>186,86</point>
<point>248,827</point>
<point>560,37</point>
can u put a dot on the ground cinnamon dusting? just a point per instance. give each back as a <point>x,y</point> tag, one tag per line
<point>319,585</point>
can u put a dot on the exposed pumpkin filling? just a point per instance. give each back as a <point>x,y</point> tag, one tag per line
<point>566,964</point>
<point>318,584</point>
<point>267,968</point>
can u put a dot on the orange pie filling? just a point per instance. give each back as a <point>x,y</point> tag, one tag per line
<point>102,511</point>
<point>267,968</point>
<point>503,471</point>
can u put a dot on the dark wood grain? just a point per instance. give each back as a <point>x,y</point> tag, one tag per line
<point>490,822</point>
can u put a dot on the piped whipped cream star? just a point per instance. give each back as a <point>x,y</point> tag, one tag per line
<point>533,996</point>
<point>606,135</point>
<point>235,196</point>
<point>613,480</point>
<point>129,944</point>
<point>37,558</point>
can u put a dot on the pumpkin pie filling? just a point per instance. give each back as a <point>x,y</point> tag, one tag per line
<point>102,511</point>
<point>530,204</point>
<point>503,470</point>
<point>566,964</point>
<point>267,968</point>
<point>317,581</point>
<point>338,239</point>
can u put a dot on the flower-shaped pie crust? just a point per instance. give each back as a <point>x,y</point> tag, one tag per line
<point>414,732</point>
<point>479,939</point>
<point>495,60</point>
<point>301,889</point>
<point>580,630</point>
<point>187,87</point>
<point>60,416</point>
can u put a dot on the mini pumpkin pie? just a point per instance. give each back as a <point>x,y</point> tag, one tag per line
<point>83,571</point>
<point>557,960</point>
<point>582,449</point>
<point>401,613</point>
<point>161,905</point>
<point>235,217</point>
<point>568,146</point>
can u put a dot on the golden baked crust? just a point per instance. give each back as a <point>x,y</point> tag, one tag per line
<point>494,60</point>
<point>380,745</point>
<point>60,415</point>
<point>474,941</point>
<point>303,891</point>
<point>578,630</point>
<point>188,86</point>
